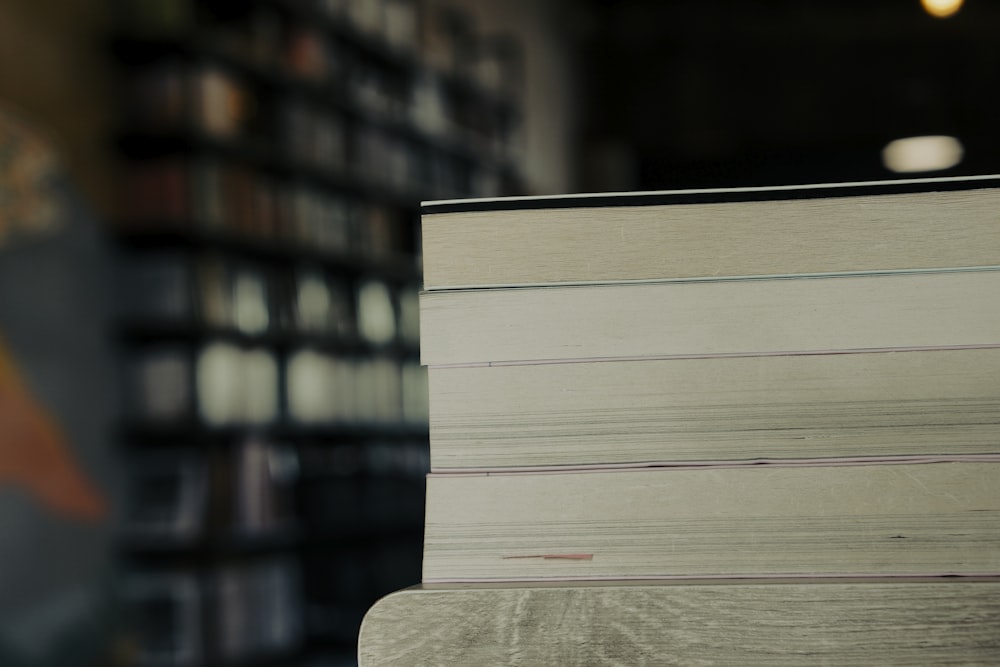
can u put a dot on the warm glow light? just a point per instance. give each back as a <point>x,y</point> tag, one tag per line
<point>941,8</point>
<point>922,153</point>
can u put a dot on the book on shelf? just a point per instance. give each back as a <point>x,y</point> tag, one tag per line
<point>237,386</point>
<point>363,487</point>
<point>155,287</point>
<point>164,611</point>
<point>876,519</point>
<point>166,496</point>
<point>260,611</point>
<point>264,475</point>
<point>156,383</point>
<point>274,150</point>
<point>325,389</point>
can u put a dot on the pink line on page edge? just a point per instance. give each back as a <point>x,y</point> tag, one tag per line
<point>802,578</point>
<point>554,556</point>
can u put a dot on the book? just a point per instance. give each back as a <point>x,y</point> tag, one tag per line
<point>764,623</point>
<point>901,519</point>
<point>901,311</point>
<point>883,226</point>
<point>165,614</point>
<point>166,496</point>
<point>259,608</point>
<point>648,411</point>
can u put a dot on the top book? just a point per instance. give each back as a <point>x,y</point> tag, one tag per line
<point>839,228</point>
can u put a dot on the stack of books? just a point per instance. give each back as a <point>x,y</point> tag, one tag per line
<point>747,424</point>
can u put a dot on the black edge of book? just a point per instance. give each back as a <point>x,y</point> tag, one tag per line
<point>714,195</point>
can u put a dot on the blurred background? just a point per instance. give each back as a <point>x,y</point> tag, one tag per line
<point>213,421</point>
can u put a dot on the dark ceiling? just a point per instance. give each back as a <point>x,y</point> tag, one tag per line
<point>731,92</point>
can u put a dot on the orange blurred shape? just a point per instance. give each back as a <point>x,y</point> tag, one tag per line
<point>35,454</point>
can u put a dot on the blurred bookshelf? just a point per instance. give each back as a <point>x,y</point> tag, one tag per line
<point>273,155</point>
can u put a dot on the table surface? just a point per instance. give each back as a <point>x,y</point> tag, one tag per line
<point>748,622</point>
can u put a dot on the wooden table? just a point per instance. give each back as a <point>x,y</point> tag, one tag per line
<point>751,622</point>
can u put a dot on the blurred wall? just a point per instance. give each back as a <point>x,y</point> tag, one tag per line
<point>547,31</point>
<point>54,71</point>
<point>727,92</point>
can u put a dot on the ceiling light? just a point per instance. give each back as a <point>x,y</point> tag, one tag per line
<point>931,153</point>
<point>941,9</point>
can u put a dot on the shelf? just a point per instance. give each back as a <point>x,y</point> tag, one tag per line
<point>291,657</point>
<point>194,235</point>
<point>266,141</point>
<point>210,547</point>
<point>279,658</point>
<point>358,536</point>
<point>172,553</point>
<point>193,332</point>
<point>139,144</point>
<point>341,30</point>
<point>334,96</point>
<point>374,48</point>
<point>195,433</point>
